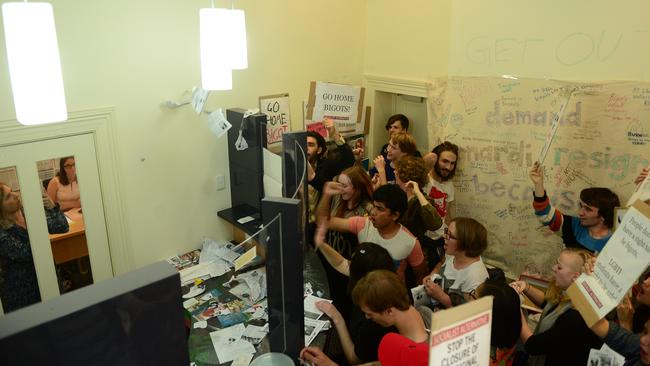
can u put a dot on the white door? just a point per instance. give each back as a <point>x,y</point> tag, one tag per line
<point>25,160</point>
<point>415,108</point>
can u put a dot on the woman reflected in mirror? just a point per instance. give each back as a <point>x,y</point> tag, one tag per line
<point>18,282</point>
<point>63,188</point>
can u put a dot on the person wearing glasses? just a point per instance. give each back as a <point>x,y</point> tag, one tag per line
<point>461,270</point>
<point>64,189</point>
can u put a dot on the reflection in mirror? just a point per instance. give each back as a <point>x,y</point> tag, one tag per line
<point>18,282</point>
<point>69,250</point>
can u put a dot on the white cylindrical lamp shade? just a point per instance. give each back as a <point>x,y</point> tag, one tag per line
<point>238,44</point>
<point>34,63</point>
<point>216,72</point>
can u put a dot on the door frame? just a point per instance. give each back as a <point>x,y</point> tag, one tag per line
<point>100,123</point>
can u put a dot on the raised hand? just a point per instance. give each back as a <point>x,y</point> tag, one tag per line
<point>332,188</point>
<point>430,160</point>
<point>380,163</point>
<point>519,286</point>
<point>642,176</point>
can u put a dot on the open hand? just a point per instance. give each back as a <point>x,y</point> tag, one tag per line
<point>380,162</point>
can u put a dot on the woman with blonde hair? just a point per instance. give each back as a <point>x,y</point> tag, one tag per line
<point>561,337</point>
<point>18,282</point>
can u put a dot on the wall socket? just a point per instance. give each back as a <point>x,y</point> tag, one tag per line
<point>220,182</point>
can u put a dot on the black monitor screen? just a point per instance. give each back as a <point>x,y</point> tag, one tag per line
<point>134,319</point>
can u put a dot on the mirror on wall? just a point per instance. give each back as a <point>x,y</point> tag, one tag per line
<point>18,282</point>
<point>69,250</point>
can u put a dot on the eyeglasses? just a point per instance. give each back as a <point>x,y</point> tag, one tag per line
<point>448,234</point>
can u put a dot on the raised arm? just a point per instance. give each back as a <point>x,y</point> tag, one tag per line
<point>335,259</point>
<point>430,217</point>
<point>534,294</point>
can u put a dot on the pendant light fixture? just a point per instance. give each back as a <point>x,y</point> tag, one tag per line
<point>34,63</point>
<point>223,46</point>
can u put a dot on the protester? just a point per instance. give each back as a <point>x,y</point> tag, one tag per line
<point>561,337</point>
<point>383,227</point>
<point>462,270</point>
<point>400,144</point>
<point>506,321</point>
<point>441,163</point>
<point>591,229</point>
<point>420,216</point>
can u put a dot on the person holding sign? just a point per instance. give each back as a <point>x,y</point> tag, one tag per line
<point>591,229</point>
<point>561,337</point>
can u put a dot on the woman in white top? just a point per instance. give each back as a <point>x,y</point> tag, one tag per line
<point>64,189</point>
<point>462,269</point>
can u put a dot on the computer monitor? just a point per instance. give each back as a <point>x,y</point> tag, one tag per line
<point>133,319</point>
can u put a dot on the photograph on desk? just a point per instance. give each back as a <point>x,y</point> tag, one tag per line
<point>58,177</point>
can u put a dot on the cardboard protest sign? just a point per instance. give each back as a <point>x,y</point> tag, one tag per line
<point>342,103</point>
<point>625,257</point>
<point>461,335</point>
<point>276,107</point>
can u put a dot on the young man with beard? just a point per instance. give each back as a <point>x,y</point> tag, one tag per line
<point>322,168</point>
<point>383,228</point>
<point>442,161</point>
<point>591,229</point>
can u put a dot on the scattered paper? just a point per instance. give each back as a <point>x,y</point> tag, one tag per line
<point>255,333</point>
<point>228,344</point>
<point>200,324</point>
<point>312,328</point>
<point>311,311</point>
<point>190,302</point>
<point>217,123</point>
<point>245,258</point>
<point>199,96</point>
<point>245,219</point>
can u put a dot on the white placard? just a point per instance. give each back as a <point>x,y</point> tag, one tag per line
<point>342,103</point>
<point>277,109</point>
<point>461,335</point>
<point>625,257</point>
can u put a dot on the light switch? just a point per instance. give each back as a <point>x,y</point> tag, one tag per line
<point>220,181</point>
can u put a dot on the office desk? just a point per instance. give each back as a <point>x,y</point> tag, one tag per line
<point>200,345</point>
<point>70,245</point>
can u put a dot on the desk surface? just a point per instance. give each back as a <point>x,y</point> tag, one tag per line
<point>76,224</point>
<point>201,349</point>
<point>72,244</point>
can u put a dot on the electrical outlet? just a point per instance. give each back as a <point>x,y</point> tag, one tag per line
<point>220,182</point>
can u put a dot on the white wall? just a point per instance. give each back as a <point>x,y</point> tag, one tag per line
<point>133,55</point>
<point>407,39</point>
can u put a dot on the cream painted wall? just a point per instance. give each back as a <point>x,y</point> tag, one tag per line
<point>133,55</point>
<point>407,39</point>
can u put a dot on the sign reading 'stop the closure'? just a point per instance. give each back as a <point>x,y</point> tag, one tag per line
<point>342,103</point>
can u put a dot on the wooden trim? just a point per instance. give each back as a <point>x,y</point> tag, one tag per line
<point>389,84</point>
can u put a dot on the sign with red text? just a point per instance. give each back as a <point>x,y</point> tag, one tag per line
<point>276,107</point>
<point>625,257</point>
<point>461,335</point>
<point>342,103</point>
